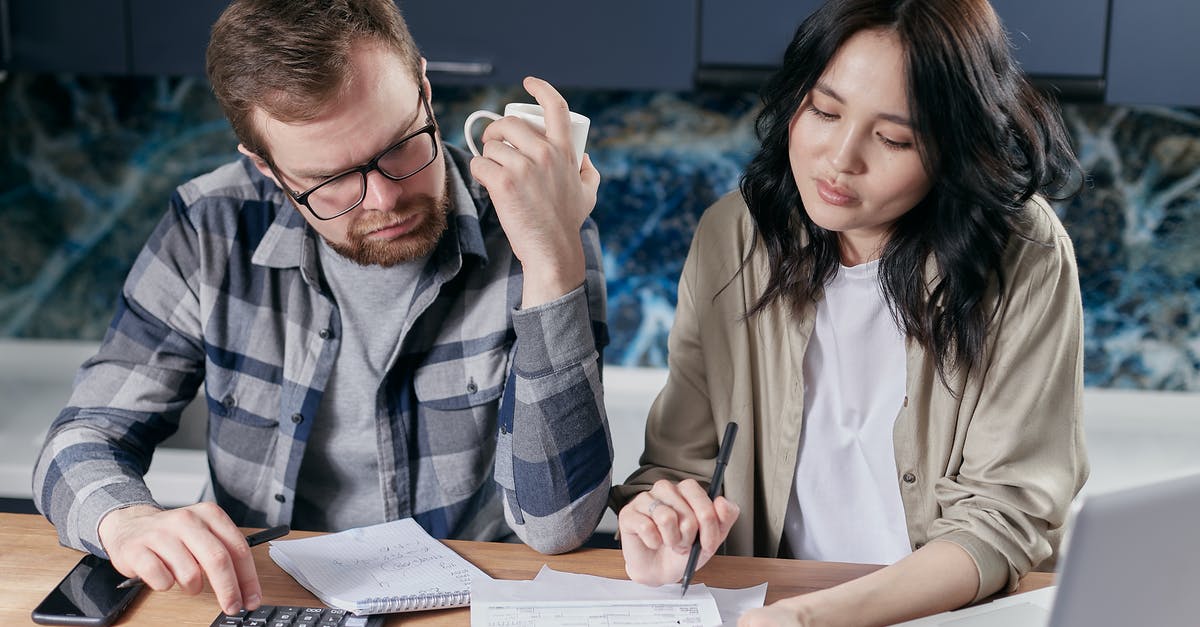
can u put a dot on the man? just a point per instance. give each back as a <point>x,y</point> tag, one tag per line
<point>376,335</point>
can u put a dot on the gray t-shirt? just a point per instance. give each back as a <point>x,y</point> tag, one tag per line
<point>340,484</point>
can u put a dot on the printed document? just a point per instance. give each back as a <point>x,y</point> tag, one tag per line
<point>557,599</point>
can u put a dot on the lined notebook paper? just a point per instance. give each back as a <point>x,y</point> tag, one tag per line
<point>390,567</point>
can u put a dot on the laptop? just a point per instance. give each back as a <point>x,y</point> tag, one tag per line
<point>1131,557</point>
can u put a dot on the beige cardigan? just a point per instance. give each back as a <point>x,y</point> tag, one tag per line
<point>991,465</point>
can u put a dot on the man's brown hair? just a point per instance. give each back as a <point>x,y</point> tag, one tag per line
<point>292,58</point>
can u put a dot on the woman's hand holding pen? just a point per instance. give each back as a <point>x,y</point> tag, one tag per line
<point>658,527</point>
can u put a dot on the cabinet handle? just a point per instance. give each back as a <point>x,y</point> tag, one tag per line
<point>5,34</point>
<point>460,68</point>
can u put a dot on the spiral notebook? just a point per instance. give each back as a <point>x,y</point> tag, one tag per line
<point>390,567</point>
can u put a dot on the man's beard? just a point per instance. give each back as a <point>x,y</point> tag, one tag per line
<point>412,245</point>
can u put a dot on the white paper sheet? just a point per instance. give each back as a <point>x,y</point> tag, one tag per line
<point>389,567</point>
<point>558,599</point>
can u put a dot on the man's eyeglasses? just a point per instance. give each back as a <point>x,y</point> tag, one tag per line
<point>341,193</point>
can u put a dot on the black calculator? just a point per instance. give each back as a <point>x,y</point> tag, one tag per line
<point>294,616</point>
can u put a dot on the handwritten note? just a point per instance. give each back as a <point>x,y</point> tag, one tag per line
<point>393,566</point>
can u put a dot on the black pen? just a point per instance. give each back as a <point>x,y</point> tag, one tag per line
<point>714,487</point>
<point>253,539</point>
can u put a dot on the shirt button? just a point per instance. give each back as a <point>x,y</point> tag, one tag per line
<point>910,478</point>
<point>228,402</point>
<point>906,400</point>
<point>917,546</point>
<point>471,387</point>
<point>297,418</point>
<point>325,334</point>
<point>280,498</point>
<point>503,430</point>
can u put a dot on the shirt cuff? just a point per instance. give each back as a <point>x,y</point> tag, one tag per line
<point>554,335</point>
<point>994,571</point>
<point>86,517</point>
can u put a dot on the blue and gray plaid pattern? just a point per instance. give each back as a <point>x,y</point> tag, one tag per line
<point>227,293</point>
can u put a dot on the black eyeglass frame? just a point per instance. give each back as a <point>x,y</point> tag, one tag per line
<point>363,170</point>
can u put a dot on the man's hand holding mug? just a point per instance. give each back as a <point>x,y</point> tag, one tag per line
<point>542,184</point>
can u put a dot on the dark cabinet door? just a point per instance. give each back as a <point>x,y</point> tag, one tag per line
<point>87,36</point>
<point>170,37</point>
<point>1154,53</point>
<point>624,44</point>
<point>750,32</point>
<point>1056,38</point>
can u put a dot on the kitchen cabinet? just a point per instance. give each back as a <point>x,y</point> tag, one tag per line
<point>1062,39</point>
<point>170,37</point>
<point>625,44</point>
<point>85,36</point>
<point>622,44</point>
<point>1057,38</point>
<point>750,32</point>
<point>1153,53</point>
<point>119,37</point>
<point>1142,53</point>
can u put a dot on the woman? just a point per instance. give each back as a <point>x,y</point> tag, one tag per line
<point>891,312</point>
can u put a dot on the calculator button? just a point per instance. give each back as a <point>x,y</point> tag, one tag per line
<point>292,616</point>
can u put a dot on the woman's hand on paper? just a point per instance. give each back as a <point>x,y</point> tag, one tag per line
<point>659,526</point>
<point>183,546</point>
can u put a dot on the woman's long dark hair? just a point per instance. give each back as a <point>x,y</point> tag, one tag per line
<point>988,140</point>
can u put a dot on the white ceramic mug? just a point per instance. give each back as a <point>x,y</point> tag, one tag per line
<point>533,114</point>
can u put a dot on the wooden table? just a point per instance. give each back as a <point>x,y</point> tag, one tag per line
<point>32,562</point>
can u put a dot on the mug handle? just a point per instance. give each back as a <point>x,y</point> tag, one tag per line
<point>471,119</point>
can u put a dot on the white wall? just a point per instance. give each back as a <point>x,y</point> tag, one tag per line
<point>1133,437</point>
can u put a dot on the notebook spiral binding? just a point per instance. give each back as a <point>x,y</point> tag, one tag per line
<point>387,605</point>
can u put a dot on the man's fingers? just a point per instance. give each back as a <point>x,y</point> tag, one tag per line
<point>234,553</point>
<point>214,558</point>
<point>146,565</point>
<point>244,571</point>
<point>184,570</point>
<point>558,118</point>
<point>216,543</point>
<point>503,153</point>
<point>520,135</point>
<point>589,175</point>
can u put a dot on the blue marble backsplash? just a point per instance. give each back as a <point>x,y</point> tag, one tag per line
<point>88,163</point>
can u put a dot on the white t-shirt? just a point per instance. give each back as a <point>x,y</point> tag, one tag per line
<point>845,505</point>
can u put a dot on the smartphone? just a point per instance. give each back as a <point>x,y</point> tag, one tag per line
<point>88,595</point>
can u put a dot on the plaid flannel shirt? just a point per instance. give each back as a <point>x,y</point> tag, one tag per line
<point>227,292</point>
